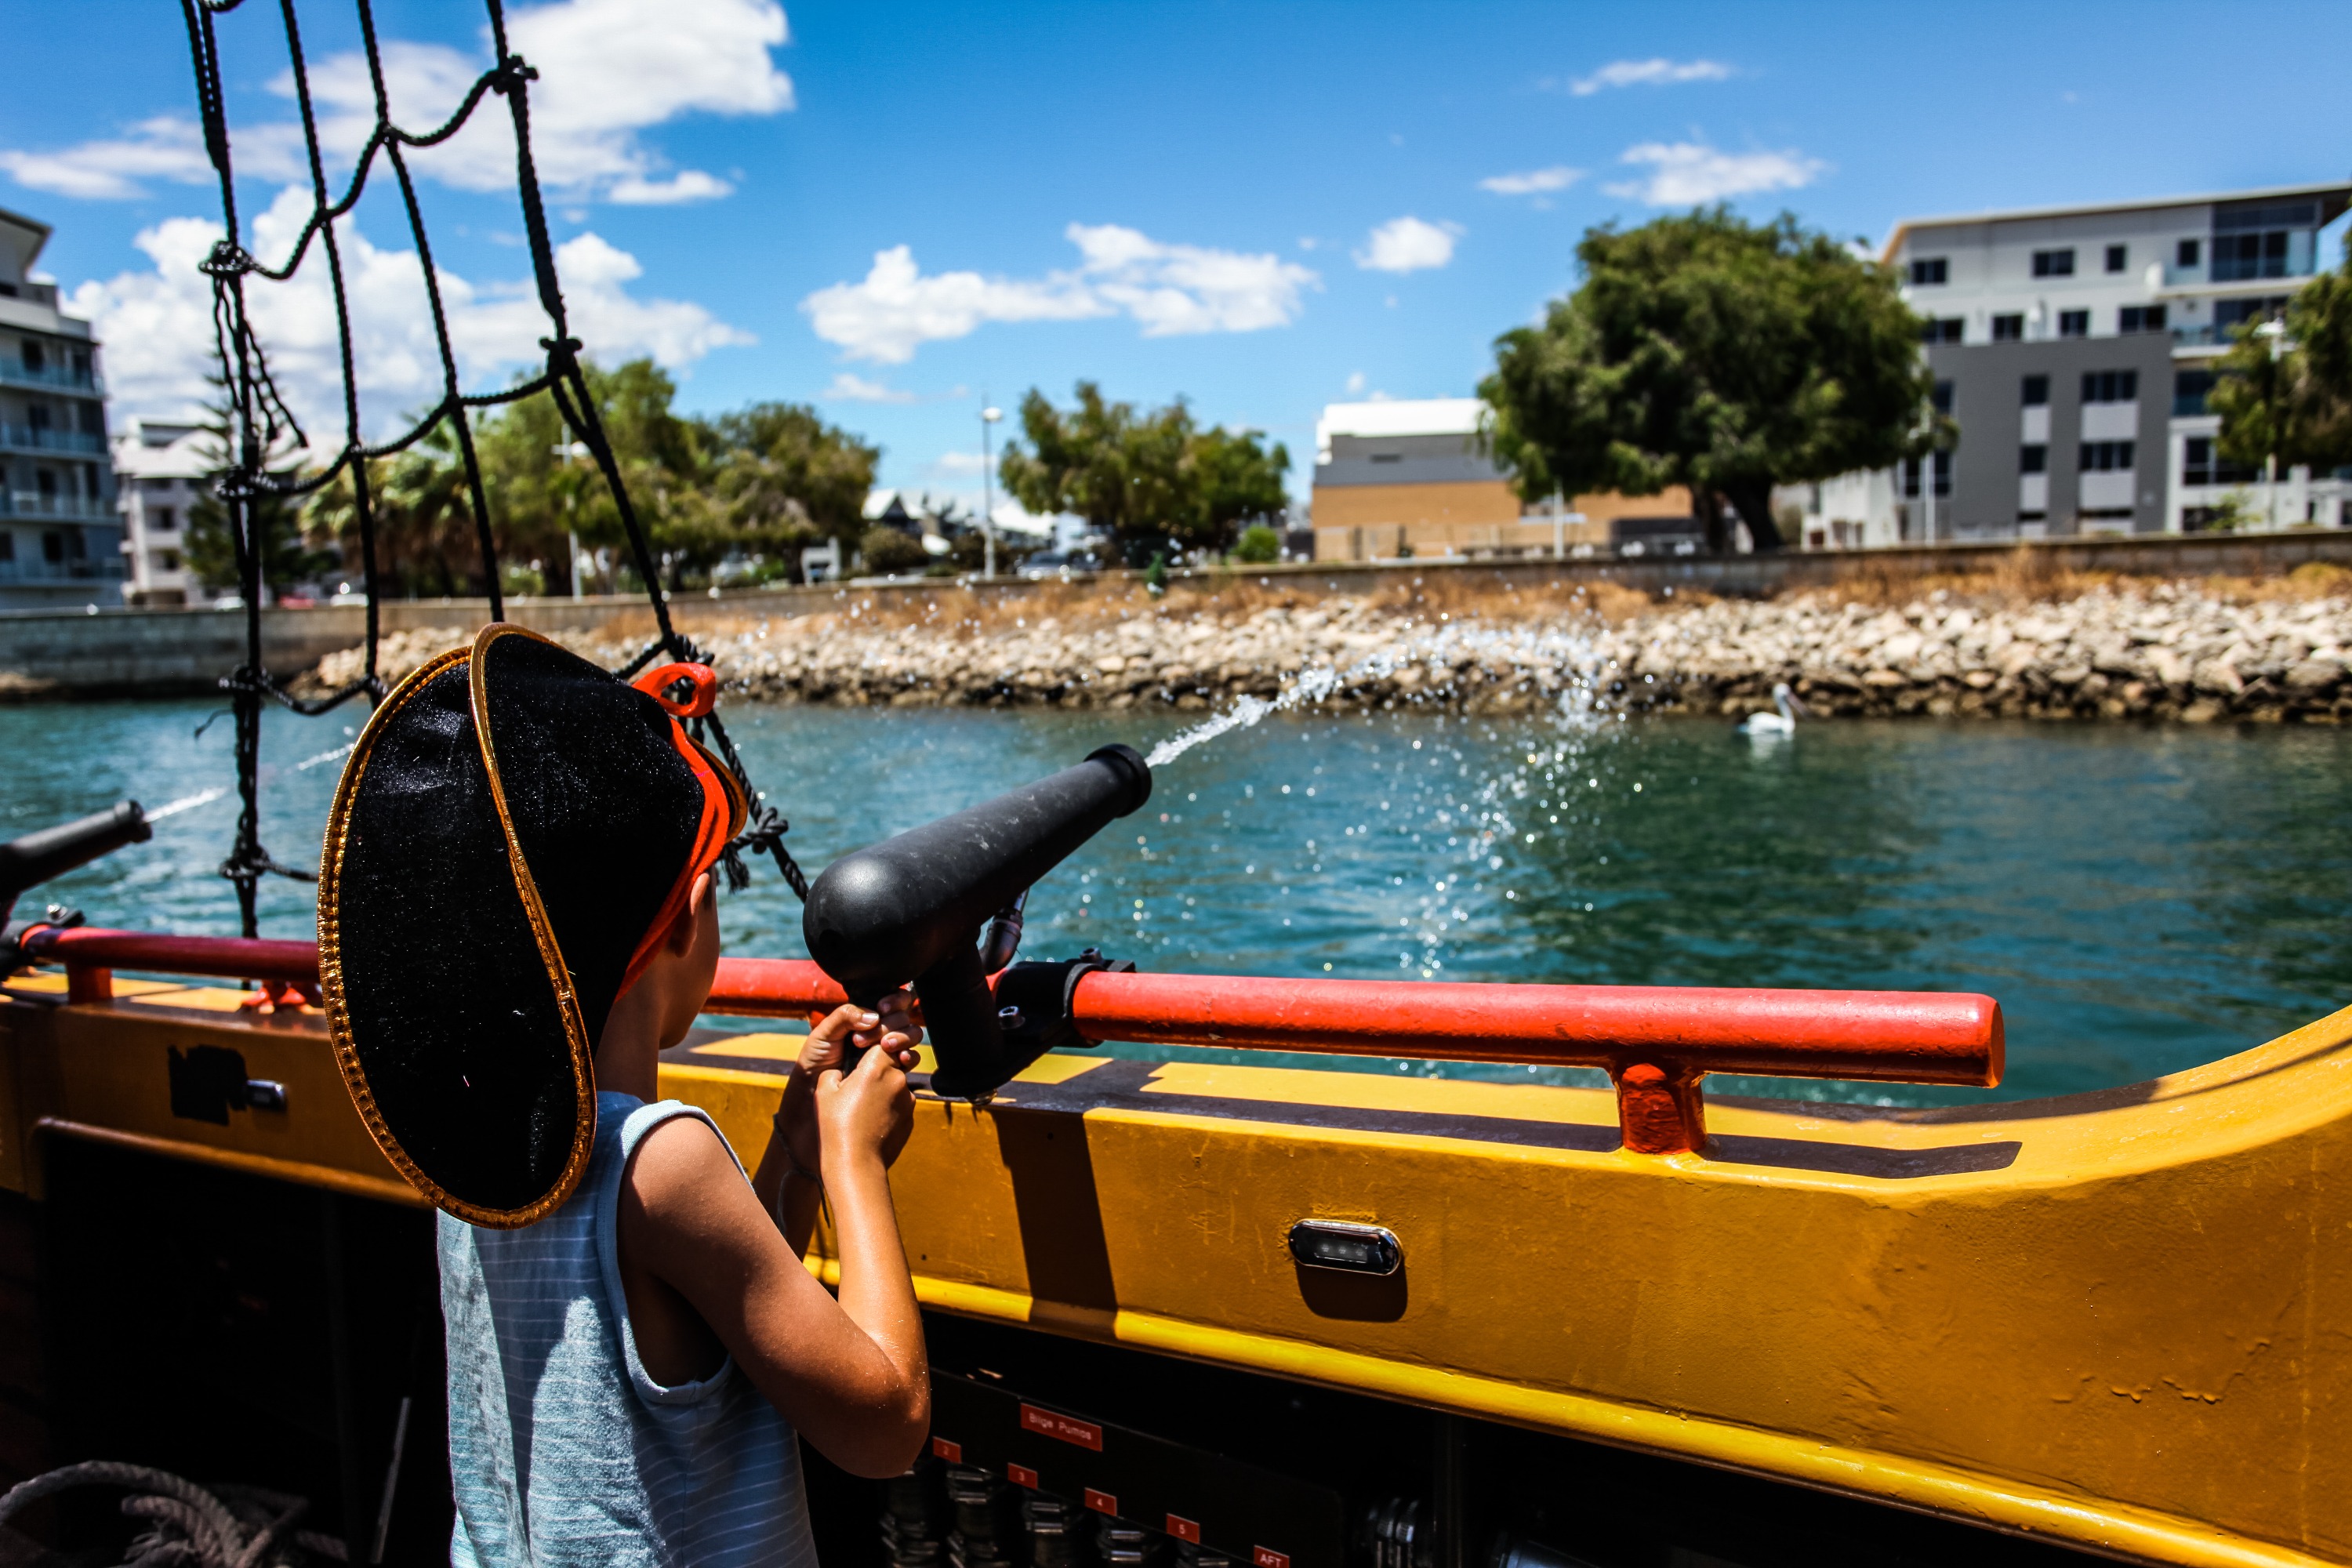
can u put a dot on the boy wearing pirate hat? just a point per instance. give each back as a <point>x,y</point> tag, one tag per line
<point>515,918</point>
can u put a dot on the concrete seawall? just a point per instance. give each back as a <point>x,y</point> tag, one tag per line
<point>177,651</point>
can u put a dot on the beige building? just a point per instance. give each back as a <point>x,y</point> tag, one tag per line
<point>1399,478</point>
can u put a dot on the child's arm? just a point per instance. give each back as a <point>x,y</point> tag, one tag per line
<point>850,1375</point>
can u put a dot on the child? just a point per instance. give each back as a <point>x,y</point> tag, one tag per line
<point>517,864</point>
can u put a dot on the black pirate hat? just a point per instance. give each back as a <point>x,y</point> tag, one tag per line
<point>516,830</point>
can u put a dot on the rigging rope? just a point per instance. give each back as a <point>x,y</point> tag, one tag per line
<point>262,424</point>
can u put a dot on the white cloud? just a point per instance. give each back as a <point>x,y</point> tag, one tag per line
<point>957,465</point>
<point>850,387</point>
<point>1408,245</point>
<point>1690,174</point>
<point>1356,381</point>
<point>157,324</point>
<point>1660,72</point>
<point>608,71</point>
<point>164,148</point>
<point>1532,182</point>
<point>1171,289</point>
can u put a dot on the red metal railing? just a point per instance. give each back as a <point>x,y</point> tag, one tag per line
<point>1654,1042</point>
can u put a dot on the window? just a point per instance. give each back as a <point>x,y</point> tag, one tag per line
<point>1943,462</point>
<point>2200,465</point>
<point>2106,456</point>
<point>2054,264</point>
<point>167,561</point>
<point>2141,319</point>
<point>53,545</point>
<point>7,291</point>
<point>164,519</point>
<point>2111,386</point>
<point>2073,323</point>
<point>2007,329</point>
<point>1945,329</point>
<point>2188,390</point>
<point>2249,255</point>
<point>1388,457</point>
<point>34,359</point>
<point>1942,397</point>
<point>1929,269</point>
<point>2034,391</point>
<point>7,545</point>
<point>2228,313</point>
<point>2116,256</point>
<point>2033,459</point>
<point>2253,240</point>
<point>2188,253</point>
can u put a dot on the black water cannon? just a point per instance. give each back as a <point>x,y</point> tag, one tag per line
<point>28,862</point>
<point>910,910</point>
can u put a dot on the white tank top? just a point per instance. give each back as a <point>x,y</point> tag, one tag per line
<point>562,1452</point>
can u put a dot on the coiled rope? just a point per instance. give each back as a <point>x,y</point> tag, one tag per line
<point>192,1526</point>
<point>261,423</point>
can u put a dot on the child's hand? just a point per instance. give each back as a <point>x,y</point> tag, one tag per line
<point>868,1108</point>
<point>893,1029</point>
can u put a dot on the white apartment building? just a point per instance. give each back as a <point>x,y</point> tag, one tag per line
<point>60,543</point>
<point>159,471</point>
<point>2073,347</point>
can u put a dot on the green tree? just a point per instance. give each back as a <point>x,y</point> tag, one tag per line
<point>273,522</point>
<point>779,478</point>
<point>540,491</point>
<point>1156,481</point>
<point>889,554</point>
<point>1708,351</point>
<point>1258,546</point>
<point>425,541</point>
<point>2288,394</point>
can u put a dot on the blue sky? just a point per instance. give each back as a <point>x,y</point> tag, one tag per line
<point>1261,208</point>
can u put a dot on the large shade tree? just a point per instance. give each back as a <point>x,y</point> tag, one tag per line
<point>1156,481</point>
<point>1708,351</point>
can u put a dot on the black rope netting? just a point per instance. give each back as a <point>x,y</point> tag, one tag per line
<point>262,424</point>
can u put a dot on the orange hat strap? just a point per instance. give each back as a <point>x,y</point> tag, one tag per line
<point>659,684</point>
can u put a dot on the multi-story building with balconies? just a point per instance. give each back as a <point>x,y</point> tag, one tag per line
<point>2073,348</point>
<point>159,475</point>
<point>61,540</point>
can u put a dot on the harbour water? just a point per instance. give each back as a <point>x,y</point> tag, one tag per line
<point>2139,899</point>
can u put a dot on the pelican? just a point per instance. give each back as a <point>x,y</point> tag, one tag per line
<point>1784,722</point>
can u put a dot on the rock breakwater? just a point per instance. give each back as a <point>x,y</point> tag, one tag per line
<point>2154,651</point>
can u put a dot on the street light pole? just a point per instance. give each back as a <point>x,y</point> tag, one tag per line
<point>2275,330</point>
<point>988,416</point>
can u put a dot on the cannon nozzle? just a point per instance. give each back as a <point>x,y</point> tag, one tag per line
<point>29,861</point>
<point>908,910</point>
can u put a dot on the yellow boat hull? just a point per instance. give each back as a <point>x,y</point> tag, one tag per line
<point>2118,1320</point>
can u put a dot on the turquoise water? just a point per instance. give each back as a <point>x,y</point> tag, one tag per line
<point>2139,899</point>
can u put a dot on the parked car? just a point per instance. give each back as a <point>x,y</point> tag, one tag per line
<point>1057,564</point>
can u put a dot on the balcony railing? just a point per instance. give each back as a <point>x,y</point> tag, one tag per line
<point>40,439</point>
<point>15,373</point>
<point>94,570</point>
<point>49,504</point>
